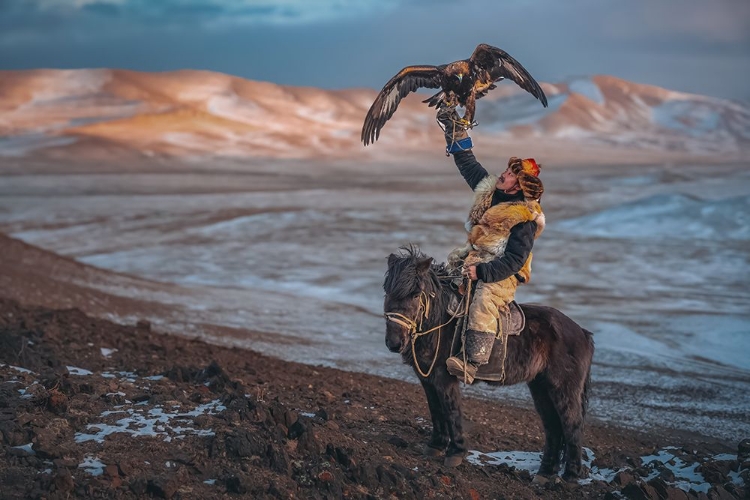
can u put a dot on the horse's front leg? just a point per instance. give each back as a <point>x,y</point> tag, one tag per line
<point>449,394</point>
<point>440,437</point>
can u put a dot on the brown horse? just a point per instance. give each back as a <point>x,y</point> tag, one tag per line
<point>552,355</point>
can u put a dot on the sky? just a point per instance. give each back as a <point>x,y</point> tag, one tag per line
<point>700,46</point>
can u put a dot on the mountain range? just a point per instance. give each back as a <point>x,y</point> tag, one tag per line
<point>74,113</point>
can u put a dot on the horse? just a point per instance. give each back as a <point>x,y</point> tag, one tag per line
<point>552,355</point>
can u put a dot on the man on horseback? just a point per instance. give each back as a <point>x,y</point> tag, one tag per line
<point>503,223</point>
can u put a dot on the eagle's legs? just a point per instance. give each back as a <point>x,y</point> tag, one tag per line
<point>471,106</point>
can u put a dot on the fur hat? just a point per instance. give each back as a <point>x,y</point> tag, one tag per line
<point>527,171</point>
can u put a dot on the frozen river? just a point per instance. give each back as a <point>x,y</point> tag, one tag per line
<point>653,260</point>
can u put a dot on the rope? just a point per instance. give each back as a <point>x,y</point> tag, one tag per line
<point>413,327</point>
<point>504,335</point>
<point>465,325</point>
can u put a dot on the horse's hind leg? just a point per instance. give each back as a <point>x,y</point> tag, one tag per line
<point>567,401</point>
<point>552,427</point>
<point>440,437</point>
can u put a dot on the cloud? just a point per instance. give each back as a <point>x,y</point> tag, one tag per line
<point>715,22</point>
<point>211,12</point>
<point>692,45</point>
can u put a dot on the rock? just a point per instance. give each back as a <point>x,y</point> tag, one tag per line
<point>326,477</point>
<point>53,440</point>
<point>143,325</point>
<point>63,481</point>
<point>57,402</point>
<point>660,486</point>
<point>125,468</point>
<point>307,442</point>
<point>677,494</point>
<point>540,480</point>
<point>713,472</point>
<point>68,463</point>
<point>243,443</point>
<point>279,460</point>
<point>667,475</point>
<point>342,457</point>
<point>111,471</point>
<point>296,430</point>
<point>19,452</point>
<point>719,493</point>
<point>236,484</point>
<point>743,450</point>
<point>139,486</point>
<point>163,488</point>
<point>623,478</point>
<point>634,491</point>
<point>397,442</point>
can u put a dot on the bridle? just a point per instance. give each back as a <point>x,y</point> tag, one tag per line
<point>414,327</point>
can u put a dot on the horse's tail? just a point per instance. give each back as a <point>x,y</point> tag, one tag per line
<point>587,383</point>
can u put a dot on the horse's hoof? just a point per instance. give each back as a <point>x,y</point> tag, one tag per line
<point>453,461</point>
<point>571,477</point>
<point>431,452</point>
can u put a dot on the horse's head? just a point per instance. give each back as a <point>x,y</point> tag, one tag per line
<point>407,286</point>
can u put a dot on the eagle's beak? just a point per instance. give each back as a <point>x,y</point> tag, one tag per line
<point>460,77</point>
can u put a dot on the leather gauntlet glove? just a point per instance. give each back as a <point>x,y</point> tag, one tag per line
<point>456,136</point>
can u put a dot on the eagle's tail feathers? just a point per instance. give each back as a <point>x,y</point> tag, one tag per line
<point>436,100</point>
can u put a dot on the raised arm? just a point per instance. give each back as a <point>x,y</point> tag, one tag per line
<point>459,144</point>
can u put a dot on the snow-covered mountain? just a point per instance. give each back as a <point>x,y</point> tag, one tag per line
<point>184,113</point>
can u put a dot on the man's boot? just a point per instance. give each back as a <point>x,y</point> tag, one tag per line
<point>478,348</point>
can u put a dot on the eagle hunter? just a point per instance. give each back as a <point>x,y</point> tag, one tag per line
<point>461,82</point>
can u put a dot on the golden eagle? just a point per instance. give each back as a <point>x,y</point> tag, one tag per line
<point>461,82</point>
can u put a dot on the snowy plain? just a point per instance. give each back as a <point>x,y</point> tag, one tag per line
<point>652,259</point>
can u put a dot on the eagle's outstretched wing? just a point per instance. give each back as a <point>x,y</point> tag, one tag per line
<point>500,65</point>
<point>406,81</point>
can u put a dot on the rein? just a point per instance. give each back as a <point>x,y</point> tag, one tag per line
<point>414,327</point>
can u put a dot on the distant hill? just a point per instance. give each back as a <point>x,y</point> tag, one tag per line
<point>188,113</point>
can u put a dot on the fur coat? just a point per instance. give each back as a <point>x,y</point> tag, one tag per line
<point>489,227</point>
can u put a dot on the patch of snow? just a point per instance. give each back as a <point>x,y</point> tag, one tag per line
<point>154,378</point>
<point>502,114</point>
<point>106,352</point>
<point>92,465</point>
<point>27,448</point>
<point>154,422</point>
<point>588,89</point>
<point>686,476</point>
<point>692,118</point>
<point>18,369</point>
<point>73,370</point>
<point>209,481</point>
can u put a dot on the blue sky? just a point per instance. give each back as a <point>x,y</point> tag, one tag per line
<point>700,46</point>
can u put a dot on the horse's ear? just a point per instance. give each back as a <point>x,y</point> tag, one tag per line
<point>424,265</point>
<point>391,259</point>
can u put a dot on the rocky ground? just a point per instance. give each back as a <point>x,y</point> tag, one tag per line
<point>93,409</point>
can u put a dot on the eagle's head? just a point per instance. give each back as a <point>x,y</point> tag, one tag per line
<point>457,71</point>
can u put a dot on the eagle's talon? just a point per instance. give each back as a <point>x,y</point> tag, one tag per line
<point>465,124</point>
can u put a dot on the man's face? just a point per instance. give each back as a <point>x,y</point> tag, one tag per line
<point>507,182</point>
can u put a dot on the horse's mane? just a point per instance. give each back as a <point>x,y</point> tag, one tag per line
<point>402,279</point>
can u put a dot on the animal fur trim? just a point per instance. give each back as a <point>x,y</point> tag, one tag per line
<point>482,200</point>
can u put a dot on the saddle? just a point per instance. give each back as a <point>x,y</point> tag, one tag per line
<point>513,323</point>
